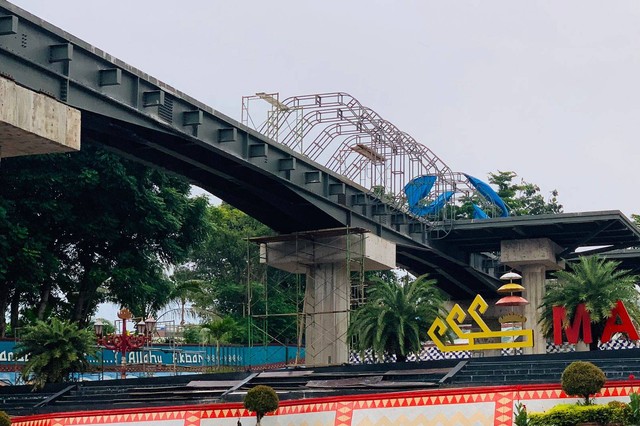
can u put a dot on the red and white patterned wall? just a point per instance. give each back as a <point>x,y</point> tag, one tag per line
<point>462,406</point>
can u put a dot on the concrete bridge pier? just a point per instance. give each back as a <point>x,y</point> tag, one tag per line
<point>330,259</point>
<point>33,123</point>
<point>533,258</point>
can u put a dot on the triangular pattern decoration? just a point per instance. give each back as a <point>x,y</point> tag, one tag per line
<point>192,418</point>
<point>503,409</point>
<point>346,410</point>
<point>502,412</point>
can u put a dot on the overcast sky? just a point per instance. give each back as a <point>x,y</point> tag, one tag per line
<point>548,89</point>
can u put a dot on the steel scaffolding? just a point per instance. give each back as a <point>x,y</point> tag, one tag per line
<point>345,245</point>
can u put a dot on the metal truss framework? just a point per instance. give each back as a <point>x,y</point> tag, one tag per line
<point>336,130</point>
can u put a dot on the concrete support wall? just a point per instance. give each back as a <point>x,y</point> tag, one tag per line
<point>532,258</point>
<point>32,123</point>
<point>326,261</point>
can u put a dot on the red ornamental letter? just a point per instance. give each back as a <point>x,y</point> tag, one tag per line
<point>625,326</point>
<point>573,331</point>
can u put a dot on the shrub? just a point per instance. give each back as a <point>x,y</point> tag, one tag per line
<point>619,413</point>
<point>634,408</point>
<point>5,420</point>
<point>571,415</point>
<point>583,379</point>
<point>521,417</point>
<point>261,399</point>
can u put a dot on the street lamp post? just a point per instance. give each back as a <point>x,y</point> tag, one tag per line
<point>125,342</point>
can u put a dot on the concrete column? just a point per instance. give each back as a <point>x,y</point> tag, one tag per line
<point>533,277</point>
<point>532,257</point>
<point>33,123</point>
<point>326,258</point>
<point>327,302</point>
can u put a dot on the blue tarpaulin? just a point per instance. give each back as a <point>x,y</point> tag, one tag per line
<point>435,206</point>
<point>487,192</point>
<point>478,213</point>
<point>418,188</point>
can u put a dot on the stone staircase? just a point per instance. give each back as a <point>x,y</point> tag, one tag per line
<point>532,369</point>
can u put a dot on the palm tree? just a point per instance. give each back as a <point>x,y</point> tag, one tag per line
<point>55,350</point>
<point>396,316</point>
<point>598,284</point>
<point>185,287</point>
<point>220,331</point>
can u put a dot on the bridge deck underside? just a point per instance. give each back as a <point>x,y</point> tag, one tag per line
<point>247,189</point>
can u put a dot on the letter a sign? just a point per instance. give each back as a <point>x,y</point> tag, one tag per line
<point>583,320</point>
<point>625,326</point>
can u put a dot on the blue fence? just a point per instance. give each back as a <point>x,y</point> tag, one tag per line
<point>181,356</point>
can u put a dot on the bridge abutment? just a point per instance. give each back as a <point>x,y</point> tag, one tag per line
<point>533,257</point>
<point>33,123</point>
<point>330,259</point>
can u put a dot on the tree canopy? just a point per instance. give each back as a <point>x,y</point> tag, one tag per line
<point>87,227</point>
<point>522,198</point>
<point>235,285</point>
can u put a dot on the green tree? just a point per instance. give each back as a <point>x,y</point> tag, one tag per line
<point>186,287</point>
<point>583,379</point>
<point>54,351</point>
<point>598,284</point>
<point>235,283</point>
<point>523,198</point>
<point>221,261</point>
<point>396,316</point>
<point>261,399</point>
<point>91,221</point>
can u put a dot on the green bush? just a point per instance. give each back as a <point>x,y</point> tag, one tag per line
<point>613,413</point>
<point>191,334</point>
<point>582,378</point>
<point>5,420</point>
<point>571,415</point>
<point>262,400</point>
<point>634,408</point>
<point>619,413</point>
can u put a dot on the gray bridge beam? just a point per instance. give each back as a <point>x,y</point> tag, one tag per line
<point>139,116</point>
